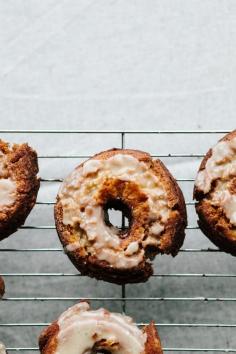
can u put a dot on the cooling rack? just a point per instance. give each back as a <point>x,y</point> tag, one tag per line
<point>191,298</point>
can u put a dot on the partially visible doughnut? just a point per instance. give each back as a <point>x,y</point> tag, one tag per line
<point>18,185</point>
<point>2,349</point>
<point>2,287</point>
<point>80,330</point>
<point>130,181</point>
<point>215,192</point>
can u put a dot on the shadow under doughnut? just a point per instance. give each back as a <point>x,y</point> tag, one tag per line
<point>2,287</point>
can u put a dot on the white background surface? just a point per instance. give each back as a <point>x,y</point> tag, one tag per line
<point>117,65</point>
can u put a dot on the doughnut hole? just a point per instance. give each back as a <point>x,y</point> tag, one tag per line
<point>123,212</point>
<point>128,199</point>
<point>96,350</point>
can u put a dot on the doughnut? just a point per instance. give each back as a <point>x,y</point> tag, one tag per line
<point>2,348</point>
<point>2,287</point>
<point>146,193</point>
<point>80,330</point>
<point>215,192</point>
<point>18,185</point>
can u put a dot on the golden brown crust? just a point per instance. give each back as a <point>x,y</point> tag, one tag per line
<point>170,241</point>
<point>48,339</point>
<point>2,287</point>
<point>153,342</point>
<point>22,168</point>
<point>175,231</point>
<point>212,220</point>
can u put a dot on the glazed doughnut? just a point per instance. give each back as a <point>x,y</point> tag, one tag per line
<point>215,192</point>
<point>144,190</point>
<point>2,287</point>
<point>18,185</point>
<point>80,330</point>
<point>2,349</point>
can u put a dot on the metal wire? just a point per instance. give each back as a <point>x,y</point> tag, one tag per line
<point>123,298</point>
<point>74,131</point>
<point>217,325</point>
<point>165,349</point>
<point>190,250</point>
<point>114,299</point>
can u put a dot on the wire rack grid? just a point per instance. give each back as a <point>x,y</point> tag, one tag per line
<point>191,298</point>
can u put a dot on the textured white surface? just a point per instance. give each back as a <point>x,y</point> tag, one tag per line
<point>125,64</point>
<point>118,64</point>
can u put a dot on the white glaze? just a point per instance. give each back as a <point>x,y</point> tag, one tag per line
<point>7,191</point>
<point>7,185</point>
<point>221,166</point>
<point>80,329</point>
<point>222,197</point>
<point>156,228</point>
<point>2,348</point>
<point>79,190</point>
<point>132,248</point>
